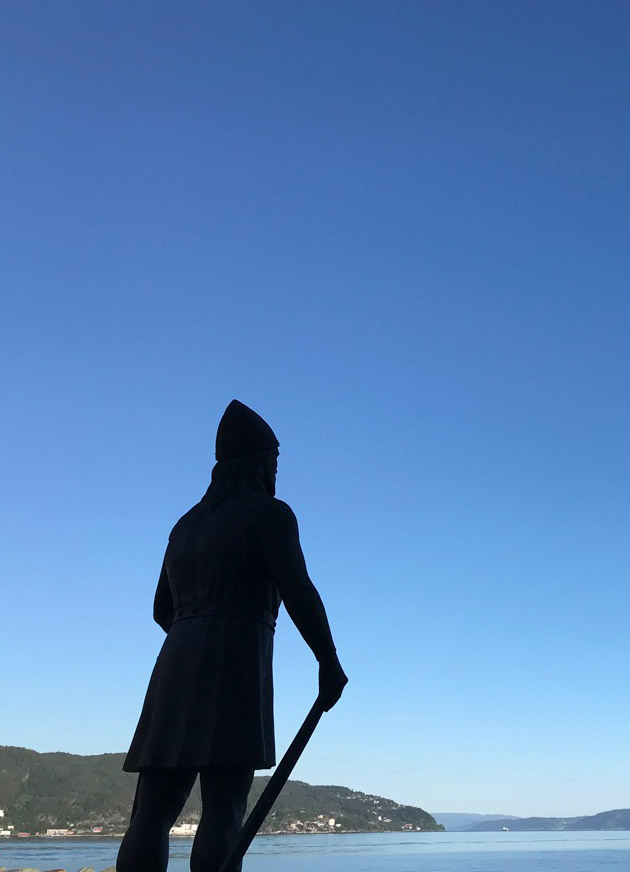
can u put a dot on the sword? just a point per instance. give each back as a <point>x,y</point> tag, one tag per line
<point>273,788</point>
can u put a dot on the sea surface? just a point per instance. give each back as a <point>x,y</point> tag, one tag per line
<point>372,852</point>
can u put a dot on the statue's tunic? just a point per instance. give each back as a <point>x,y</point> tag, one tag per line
<point>210,696</point>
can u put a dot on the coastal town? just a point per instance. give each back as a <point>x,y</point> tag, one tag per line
<point>321,824</point>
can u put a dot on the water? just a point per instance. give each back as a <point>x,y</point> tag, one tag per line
<point>372,852</point>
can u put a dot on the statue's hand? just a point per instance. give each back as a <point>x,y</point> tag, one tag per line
<point>332,680</point>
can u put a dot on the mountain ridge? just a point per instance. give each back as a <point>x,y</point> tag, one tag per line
<point>614,819</point>
<point>57,790</point>
<point>455,822</point>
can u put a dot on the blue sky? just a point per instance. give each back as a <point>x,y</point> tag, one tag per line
<point>399,232</point>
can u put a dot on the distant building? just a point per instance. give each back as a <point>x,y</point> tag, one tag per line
<point>54,832</point>
<point>184,830</point>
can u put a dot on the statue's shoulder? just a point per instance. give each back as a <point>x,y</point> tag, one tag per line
<point>282,508</point>
<point>186,519</point>
<point>277,513</point>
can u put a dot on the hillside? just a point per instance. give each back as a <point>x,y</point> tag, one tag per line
<point>617,819</point>
<point>454,822</point>
<point>42,791</point>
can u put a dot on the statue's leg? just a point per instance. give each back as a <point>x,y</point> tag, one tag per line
<point>160,796</point>
<point>224,795</point>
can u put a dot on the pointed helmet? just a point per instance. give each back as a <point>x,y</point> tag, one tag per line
<point>241,432</point>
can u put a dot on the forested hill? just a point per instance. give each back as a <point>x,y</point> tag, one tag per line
<point>617,819</point>
<point>57,790</point>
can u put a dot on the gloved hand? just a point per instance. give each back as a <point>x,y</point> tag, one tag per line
<point>332,680</point>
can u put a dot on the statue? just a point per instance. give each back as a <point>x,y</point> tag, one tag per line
<point>229,564</point>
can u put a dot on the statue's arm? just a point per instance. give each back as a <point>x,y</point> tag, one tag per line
<point>163,603</point>
<point>279,542</point>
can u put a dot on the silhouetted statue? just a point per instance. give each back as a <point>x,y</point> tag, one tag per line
<point>230,561</point>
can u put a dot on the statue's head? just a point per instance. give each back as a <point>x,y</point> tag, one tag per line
<point>246,453</point>
<point>242,432</point>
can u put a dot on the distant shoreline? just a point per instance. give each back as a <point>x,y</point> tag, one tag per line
<point>114,836</point>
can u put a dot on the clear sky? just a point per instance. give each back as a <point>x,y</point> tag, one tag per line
<point>399,231</point>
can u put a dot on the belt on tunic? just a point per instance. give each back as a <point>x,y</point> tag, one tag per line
<point>203,608</point>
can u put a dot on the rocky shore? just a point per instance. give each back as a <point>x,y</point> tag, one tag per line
<point>32,869</point>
